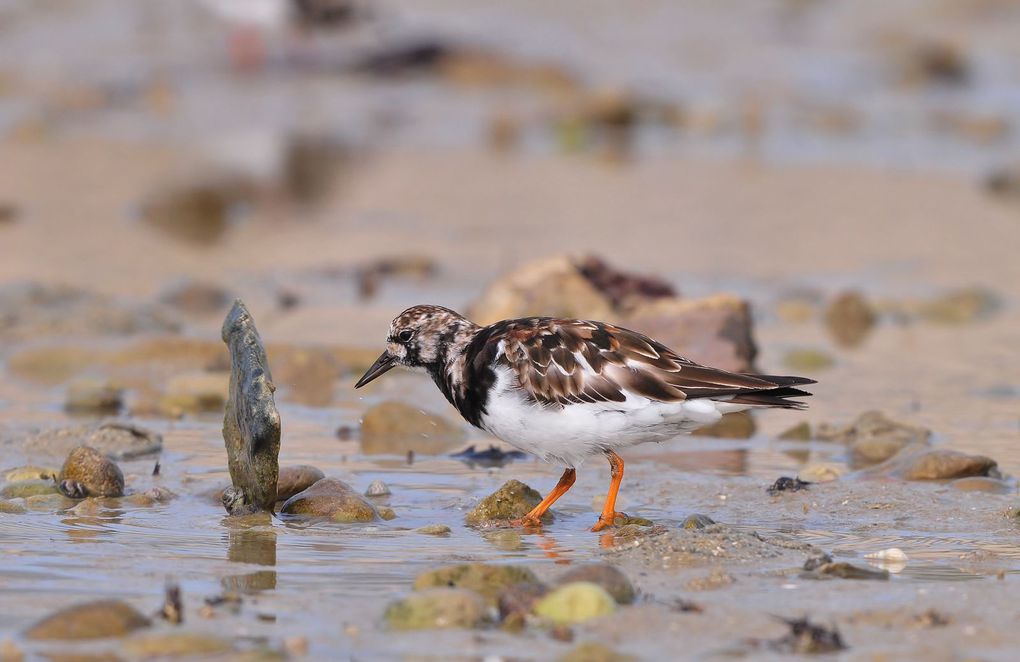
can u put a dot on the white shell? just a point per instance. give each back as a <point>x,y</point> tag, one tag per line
<point>891,554</point>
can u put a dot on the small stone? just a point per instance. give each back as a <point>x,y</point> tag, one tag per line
<point>30,472</point>
<point>151,497</point>
<point>387,513</point>
<point>576,602</point>
<point>513,500</point>
<point>845,570</point>
<point>13,507</point>
<point>849,318</point>
<point>194,393</point>
<point>485,580</point>
<point>605,575</point>
<point>175,644</point>
<point>434,530</point>
<point>118,440</point>
<point>296,479</point>
<point>697,521</point>
<point>874,438</point>
<point>890,554</point>
<point>46,502</point>
<point>787,484</point>
<point>807,360</point>
<point>27,488</point>
<point>962,306</point>
<point>437,608</point>
<point>91,396</point>
<point>516,602</point>
<point>593,651</point>
<point>395,428</point>
<point>805,638</point>
<point>91,620</point>
<point>940,464</point>
<point>817,559</point>
<point>799,432</point>
<point>821,472</point>
<point>982,484</point>
<point>93,470</point>
<point>331,499</point>
<point>377,488</point>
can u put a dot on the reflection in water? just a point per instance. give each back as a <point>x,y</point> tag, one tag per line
<point>89,521</point>
<point>251,541</point>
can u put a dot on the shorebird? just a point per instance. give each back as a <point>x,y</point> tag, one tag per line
<point>567,389</point>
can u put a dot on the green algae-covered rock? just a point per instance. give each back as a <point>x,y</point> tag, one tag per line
<point>438,608</point>
<point>511,501</point>
<point>575,602</point>
<point>27,488</point>
<point>485,580</point>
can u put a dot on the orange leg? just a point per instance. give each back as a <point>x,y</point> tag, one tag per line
<point>609,513</point>
<point>534,518</point>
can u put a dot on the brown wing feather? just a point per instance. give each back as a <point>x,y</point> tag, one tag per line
<point>559,362</point>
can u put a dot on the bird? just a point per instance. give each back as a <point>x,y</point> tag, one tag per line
<point>565,390</point>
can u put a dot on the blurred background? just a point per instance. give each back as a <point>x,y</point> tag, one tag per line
<point>333,162</point>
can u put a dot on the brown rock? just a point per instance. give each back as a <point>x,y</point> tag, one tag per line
<point>940,464</point>
<point>91,396</point>
<point>331,499</point>
<point>396,428</point>
<point>296,479</point>
<point>551,286</point>
<point>488,581</point>
<point>849,318</point>
<point>94,471</point>
<point>982,484</point>
<point>92,620</point>
<point>605,575</point>
<point>511,501</point>
<point>714,330</point>
<point>116,439</point>
<point>874,438</point>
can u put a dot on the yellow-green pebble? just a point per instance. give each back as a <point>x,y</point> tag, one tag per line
<point>575,602</point>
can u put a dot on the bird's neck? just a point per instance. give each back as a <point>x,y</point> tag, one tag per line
<point>450,371</point>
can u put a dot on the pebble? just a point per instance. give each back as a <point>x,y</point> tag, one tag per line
<point>605,575</point>
<point>434,530</point>
<point>377,488</point>
<point>90,620</point>
<point>849,318</point>
<point>484,579</point>
<point>94,471</point>
<point>438,608</point>
<point>511,501</point>
<point>575,602</point>
<point>331,499</point>
<point>19,474</point>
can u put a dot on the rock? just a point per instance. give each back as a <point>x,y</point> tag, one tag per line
<point>844,570</point>
<point>620,286</point>
<point>30,473</point>
<point>505,540</point>
<point>115,439</point>
<point>95,472</point>
<point>27,488</point>
<point>196,298</point>
<point>934,62</point>
<point>309,373</point>
<point>395,428</point>
<point>151,497</point>
<point>697,521</point>
<point>197,210</point>
<point>593,651</point>
<point>982,484</point>
<point>715,579</point>
<point>50,365</point>
<point>874,438</point>
<point>799,432</point>
<point>331,499</point>
<point>787,484</point>
<point>485,580</point>
<point>251,423</point>
<point>736,425</point>
<point>90,396</point>
<point>437,608</point>
<point>91,620</point>
<point>32,311</point>
<point>13,507</point>
<point>387,513</point>
<point>296,479</point>
<point>511,501</point>
<point>605,575</point>
<point>1004,182</point>
<point>175,644</point>
<point>849,319</point>
<point>551,286</point>
<point>936,464</point>
<point>806,638</point>
<point>377,488</point>
<point>193,393</point>
<point>962,306</point>
<point>516,602</point>
<point>575,603</point>
<point>821,472</point>
<point>433,530</point>
<point>807,360</point>
<point>47,502</point>
<point>714,330</point>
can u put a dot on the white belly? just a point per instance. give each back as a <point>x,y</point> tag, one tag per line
<point>572,433</point>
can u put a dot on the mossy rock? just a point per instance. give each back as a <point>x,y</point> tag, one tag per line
<point>512,501</point>
<point>575,602</point>
<point>486,580</point>
<point>438,608</point>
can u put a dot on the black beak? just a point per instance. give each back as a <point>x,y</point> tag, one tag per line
<point>382,364</point>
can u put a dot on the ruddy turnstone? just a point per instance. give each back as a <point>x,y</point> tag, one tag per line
<point>566,389</point>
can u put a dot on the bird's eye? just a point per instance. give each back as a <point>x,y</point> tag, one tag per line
<point>405,335</point>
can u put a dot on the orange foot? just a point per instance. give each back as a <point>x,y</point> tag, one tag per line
<point>605,522</point>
